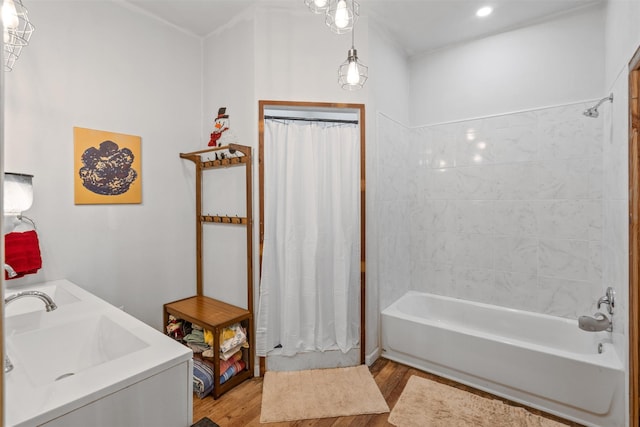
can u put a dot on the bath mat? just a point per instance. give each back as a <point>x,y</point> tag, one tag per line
<point>320,393</point>
<point>426,403</point>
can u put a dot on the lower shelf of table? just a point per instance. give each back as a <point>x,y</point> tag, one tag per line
<point>213,315</point>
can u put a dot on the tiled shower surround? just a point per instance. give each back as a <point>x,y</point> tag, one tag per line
<point>505,210</point>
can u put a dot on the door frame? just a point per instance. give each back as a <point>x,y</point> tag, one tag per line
<point>634,240</point>
<point>262,104</point>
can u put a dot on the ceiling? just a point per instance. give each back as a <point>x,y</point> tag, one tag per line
<point>417,25</point>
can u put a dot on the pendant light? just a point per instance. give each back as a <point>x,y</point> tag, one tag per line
<point>352,74</point>
<point>17,31</point>
<point>341,15</point>
<point>317,6</point>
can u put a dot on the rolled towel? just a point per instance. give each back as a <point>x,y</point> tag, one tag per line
<point>202,378</point>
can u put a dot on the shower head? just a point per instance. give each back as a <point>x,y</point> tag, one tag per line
<point>593,111</point>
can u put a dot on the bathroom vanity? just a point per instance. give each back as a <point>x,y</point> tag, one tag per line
<point>89,363</point>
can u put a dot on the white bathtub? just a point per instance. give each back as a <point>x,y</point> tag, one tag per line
<point>542,361</point>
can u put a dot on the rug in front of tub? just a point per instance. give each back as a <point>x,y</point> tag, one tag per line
<point>426,403</point>
<point>320,393</point>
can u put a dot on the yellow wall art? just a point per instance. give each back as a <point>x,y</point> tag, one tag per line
<point>107,167</point>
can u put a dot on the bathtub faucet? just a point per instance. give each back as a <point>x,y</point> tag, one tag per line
<point>608,299</point>
<point>599,322</point>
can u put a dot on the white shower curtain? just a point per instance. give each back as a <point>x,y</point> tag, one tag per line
<point>310,282</point>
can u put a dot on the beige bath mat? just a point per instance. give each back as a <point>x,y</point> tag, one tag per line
<point>320,393</point>
<point>426,403</point>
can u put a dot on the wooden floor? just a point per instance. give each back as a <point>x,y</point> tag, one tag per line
<point>241,406</point>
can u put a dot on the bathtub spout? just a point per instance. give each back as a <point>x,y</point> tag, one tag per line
<point>599,322</point>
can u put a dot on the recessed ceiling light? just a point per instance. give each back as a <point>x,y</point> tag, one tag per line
<point>484,11</point>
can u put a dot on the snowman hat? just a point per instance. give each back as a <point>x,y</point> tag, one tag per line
<point>221,113</point>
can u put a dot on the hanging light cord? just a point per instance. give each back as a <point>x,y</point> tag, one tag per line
<point>353,30</point>
<point>353,27</point>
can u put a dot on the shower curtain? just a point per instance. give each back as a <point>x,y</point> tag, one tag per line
<point>310,282</point>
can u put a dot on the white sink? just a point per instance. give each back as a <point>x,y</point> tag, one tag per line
<point>59,352</point>
<point>83,352</point>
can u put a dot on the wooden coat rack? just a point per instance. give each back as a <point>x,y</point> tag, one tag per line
<point>207,312</point>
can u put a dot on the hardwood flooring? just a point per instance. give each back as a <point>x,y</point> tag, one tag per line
<point>241,406</point>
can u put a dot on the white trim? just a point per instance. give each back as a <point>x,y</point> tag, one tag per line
<point>372,357</point>
<point>586,101</point>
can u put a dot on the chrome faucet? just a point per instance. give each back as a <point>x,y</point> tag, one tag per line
<point>10,271</point>
<point>599,322</point>
<point>49,305</point>
<point>608,299</point>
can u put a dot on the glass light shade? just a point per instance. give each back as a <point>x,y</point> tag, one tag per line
<point>341,15</point>
<point>18,193</point>
<point>9,14</point>
<point>352,74</point>
<point>17,31</point>
<point>317,6</point>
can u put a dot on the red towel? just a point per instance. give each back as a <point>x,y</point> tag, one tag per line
<point>22,253</point>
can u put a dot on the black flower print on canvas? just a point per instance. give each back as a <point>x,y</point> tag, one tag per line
<point>107,170</point>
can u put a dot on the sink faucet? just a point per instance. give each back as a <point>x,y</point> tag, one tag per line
<point>10,271</point>
<point>49,305</point>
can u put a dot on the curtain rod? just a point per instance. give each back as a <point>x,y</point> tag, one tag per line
<point>304,119</point>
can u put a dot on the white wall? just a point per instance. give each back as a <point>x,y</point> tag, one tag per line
<point>552,63</point>
<point>228,81</point>
<point>389,75</point>
<point>622,36</point>
<point>297,57</point>
<point>99,65</point>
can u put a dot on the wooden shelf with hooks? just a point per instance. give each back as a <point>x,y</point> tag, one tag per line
<point>224,219</point>
<point>210,313</point>
<point>236,155</point>
<point>231,161</point>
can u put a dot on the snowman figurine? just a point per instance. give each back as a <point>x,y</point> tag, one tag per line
<point>221,134</point>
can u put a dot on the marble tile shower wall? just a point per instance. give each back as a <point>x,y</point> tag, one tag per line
<point>393,198</point>
<point>505,210</point>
